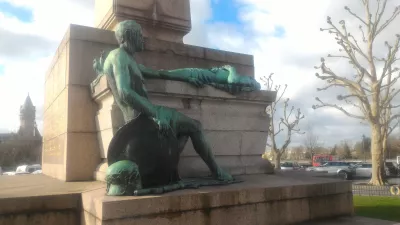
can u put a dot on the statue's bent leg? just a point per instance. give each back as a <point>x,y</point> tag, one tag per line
<point>194,130</point>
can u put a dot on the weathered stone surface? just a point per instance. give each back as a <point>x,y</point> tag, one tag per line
<point>275,199</point>
<point>160,19</point>
<point>221,142</point>
<point>82,156</point>
<point>192,166</point>
<point>65,217</point>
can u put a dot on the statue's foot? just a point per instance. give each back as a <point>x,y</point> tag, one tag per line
<point>223,176</point>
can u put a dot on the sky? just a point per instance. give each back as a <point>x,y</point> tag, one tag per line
<point>284,36</point>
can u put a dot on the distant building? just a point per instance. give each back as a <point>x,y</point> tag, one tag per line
<point>25,146</point>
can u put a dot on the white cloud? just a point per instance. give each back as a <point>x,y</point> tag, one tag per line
<point>24,73</point>
<point>290,57</point>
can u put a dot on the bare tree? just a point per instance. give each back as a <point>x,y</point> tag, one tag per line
<point>288,122</point>
<point>370,91</point>
<point>311,141</point>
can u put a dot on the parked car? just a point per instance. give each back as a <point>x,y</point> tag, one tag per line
<point>37,172</point>
<point>363,170</point>
<point>9,173</point>
<point>390,169</point>
<point>27,169</point>
<point>305,165</point>
<point>290,166</point>
<point>345,170</point>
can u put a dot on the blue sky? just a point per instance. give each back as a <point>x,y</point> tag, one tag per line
<point>1,69</point>
<point>23,14</point>
<point>227,11</point>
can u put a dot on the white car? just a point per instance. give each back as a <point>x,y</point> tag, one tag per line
<point>26,169</point>
<point>9,173</point>
<point>37,172</point>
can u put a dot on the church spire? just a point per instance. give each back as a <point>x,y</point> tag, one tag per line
<point>28,103</point>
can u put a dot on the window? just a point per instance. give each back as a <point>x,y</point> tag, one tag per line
<point>366,166</point>
<point>287,164</point>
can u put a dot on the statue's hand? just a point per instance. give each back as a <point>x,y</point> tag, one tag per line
<point>163,119</point>
<point>163,125</point>
<point>196,82</point>
<point>200,79</point>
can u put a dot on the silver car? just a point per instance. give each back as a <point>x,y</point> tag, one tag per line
<point>365,170</point>
<point>344,170</point>
<point>290,166</point>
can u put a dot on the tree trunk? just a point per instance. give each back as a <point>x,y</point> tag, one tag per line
<point>384,146</point>
<point>277,161</point>
<point>377,156</point>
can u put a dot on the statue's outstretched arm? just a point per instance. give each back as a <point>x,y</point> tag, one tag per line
<point>162,74</point>
<point>127,94</point>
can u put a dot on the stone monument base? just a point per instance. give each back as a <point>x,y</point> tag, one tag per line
<point>283,198</point>
<point>260,199</point>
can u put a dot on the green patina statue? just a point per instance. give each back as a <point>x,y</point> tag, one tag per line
<point>143,155</point>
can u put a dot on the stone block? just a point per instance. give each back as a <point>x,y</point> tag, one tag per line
<point>81,55</point>
<point>83,156</point>
<point>222,143</point>
<point>255,164</point>
<point>49,218</point>
<point>327,206</point>
<point>234,123</point>
<point>253,143</point>
<point>104,138</point>
<point>259,199</point>
<point>81,109</point>
<point>54,170</point>
<point>54,150</point>
<point>166,20</point>
<point>190,166</point>
<point>282,212</point>
<point>55,117</point>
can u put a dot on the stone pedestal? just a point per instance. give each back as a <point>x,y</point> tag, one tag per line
<point>259,200</point>
<point>71,149</point>
<point>236,126</point>
<point>160,19</point>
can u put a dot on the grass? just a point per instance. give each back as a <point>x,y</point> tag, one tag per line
<point>384,208</point>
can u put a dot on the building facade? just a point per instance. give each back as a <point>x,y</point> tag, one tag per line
<point>24,146</point>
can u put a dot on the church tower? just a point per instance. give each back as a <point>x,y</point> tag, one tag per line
<point>27,118</point>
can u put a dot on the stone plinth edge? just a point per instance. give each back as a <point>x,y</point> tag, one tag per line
<point>260,199</point>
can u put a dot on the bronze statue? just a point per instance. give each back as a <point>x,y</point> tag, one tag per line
<point>143,155</point>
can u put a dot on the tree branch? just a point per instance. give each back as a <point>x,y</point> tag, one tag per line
<point>322,104</point>
<point>396,12</point>
<point>355,15</point>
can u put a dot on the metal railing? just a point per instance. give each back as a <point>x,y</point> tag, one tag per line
<point>369,190</point>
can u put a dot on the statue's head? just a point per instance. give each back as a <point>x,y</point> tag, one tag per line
<point>129,35</point>
<point>123,178</point>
